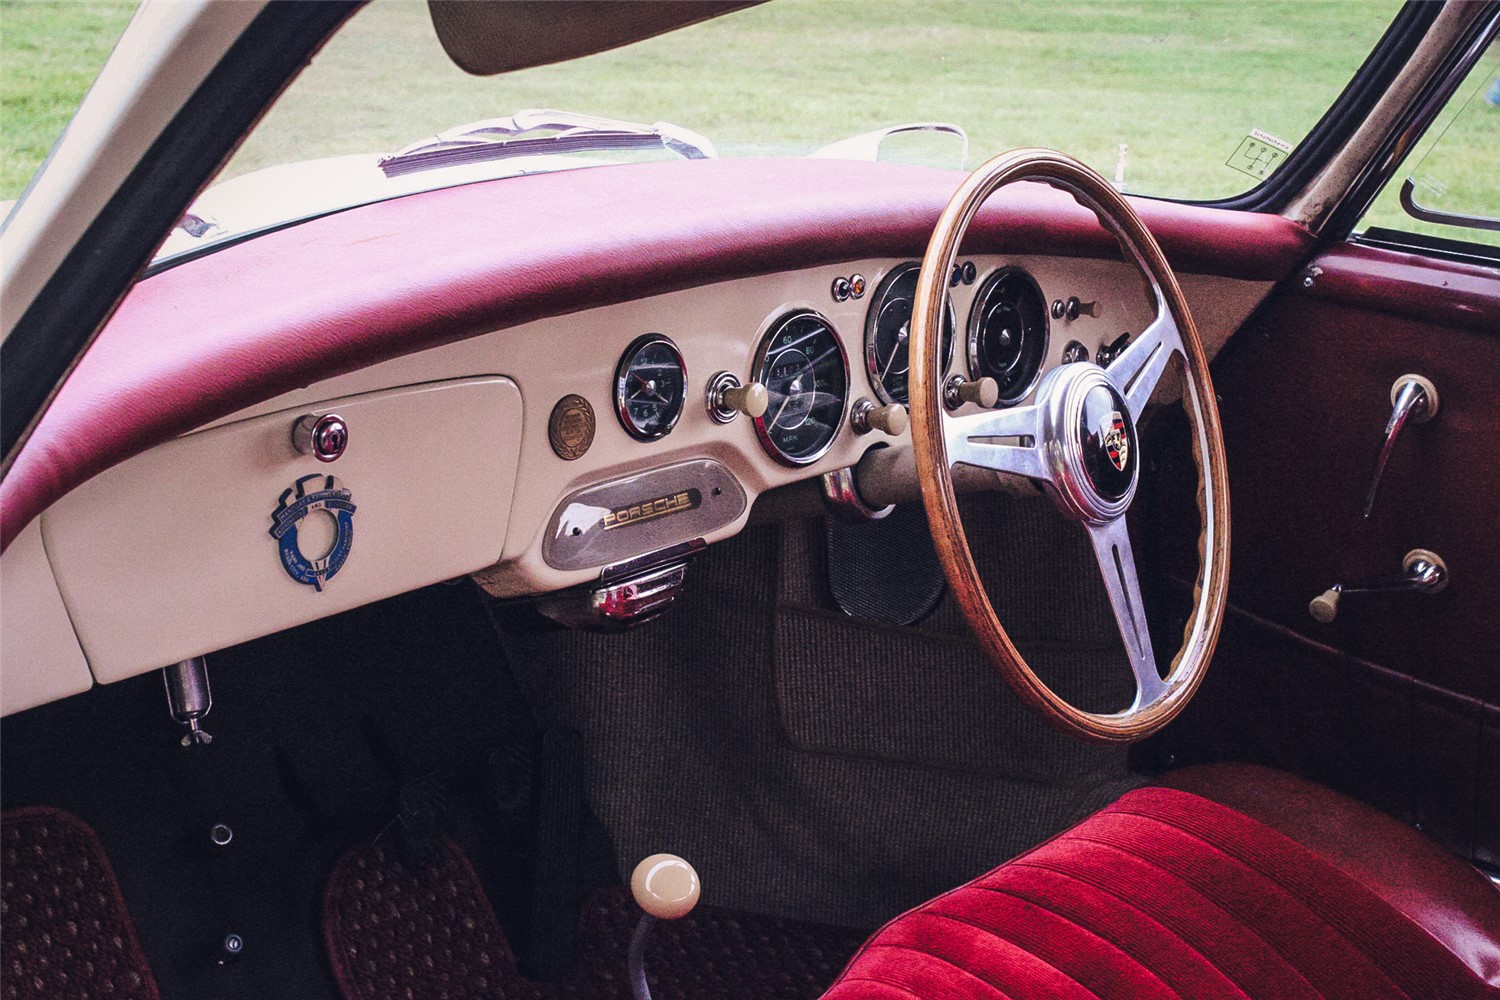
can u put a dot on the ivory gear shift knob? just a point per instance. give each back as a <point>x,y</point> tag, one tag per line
<point>665,886</point>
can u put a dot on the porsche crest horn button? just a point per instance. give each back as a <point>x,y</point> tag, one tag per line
<point>323,496</point>
<point>1108,443</point>
<point>1116,442</point>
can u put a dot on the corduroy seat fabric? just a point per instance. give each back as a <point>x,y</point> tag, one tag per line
<point>1168,893</point>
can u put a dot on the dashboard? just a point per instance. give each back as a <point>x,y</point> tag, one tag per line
<point>555,454</point>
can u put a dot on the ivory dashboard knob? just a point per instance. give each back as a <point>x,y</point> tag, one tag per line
<point>890,419</point>
<point>1325,607</point>
<point>751,400</point>
<point>982,391</point>
<point>726,398</point>
<point>665,886</point>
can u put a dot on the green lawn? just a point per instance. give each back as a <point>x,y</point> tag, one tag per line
<point>1180,84</point>
<point>49,54</point>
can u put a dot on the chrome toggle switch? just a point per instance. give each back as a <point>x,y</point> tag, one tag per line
<point>324,438</point>
<point>1413,398</point>
<point>1421,571</point>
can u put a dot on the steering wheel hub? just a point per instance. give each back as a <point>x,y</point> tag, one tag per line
<point>1094,452</point>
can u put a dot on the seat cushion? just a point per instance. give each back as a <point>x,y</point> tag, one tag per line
<point>1169,893</point>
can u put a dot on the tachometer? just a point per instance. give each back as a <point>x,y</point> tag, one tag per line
<point>802,365</point>
<point>888,328</point>
<point>650,386</point>
<point>1008,332</point>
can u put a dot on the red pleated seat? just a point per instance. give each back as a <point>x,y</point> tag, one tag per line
<point>1173,893</point>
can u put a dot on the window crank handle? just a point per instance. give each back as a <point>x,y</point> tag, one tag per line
<point>1413,398</point>
<point>1421,571</point>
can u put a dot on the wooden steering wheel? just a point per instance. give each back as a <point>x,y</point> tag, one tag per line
<point>1078,439</point>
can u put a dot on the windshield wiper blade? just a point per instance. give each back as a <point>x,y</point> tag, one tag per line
<point>542,131</point>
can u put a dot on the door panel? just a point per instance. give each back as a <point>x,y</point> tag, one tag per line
<point>1396,700</point>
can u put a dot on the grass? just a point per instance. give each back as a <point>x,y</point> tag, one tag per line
<point>49,54</point>
<point>1180,84</point>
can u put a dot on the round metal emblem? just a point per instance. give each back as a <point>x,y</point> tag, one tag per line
<point>312,494</point>
<point>571,427</point>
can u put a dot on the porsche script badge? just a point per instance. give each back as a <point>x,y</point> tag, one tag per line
<point>312,494</point>
<point>1116,441</point>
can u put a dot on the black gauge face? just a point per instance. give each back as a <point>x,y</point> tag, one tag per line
<point>1008,332</point>
<point>650,385</point>
<point>802,365</point>
<point>887,333</point>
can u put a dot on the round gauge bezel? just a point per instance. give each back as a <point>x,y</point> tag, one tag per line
<point>971,336</point>
<point>617,393</point>
<point>757,369</point>
<point>872,364</point>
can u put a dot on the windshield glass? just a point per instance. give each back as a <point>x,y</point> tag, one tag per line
<point>1196,102</point>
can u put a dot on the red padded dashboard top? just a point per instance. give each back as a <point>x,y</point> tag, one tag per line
<point>201,340</point>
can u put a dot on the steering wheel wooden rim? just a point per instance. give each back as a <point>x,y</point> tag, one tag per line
<point>1049,441</point>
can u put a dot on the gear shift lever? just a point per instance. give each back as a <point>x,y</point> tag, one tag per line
<point>665,887</point>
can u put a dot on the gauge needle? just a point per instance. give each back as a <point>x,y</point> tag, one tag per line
<point>650,386</point>
<point>901,336</point>
<point>784,403</point>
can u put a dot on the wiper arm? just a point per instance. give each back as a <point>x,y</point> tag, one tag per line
<point>527,133</point>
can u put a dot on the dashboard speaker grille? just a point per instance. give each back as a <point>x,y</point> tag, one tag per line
<point>885,571</point>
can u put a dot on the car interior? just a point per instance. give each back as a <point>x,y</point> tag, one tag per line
<point>758,576</point>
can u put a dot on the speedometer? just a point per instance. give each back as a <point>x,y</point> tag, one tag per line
<point>888,331</point>
<point>802,365</point>
<point>650,385</point>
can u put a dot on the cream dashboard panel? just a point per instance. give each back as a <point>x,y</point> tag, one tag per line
<point>172,553</point>
<point>718,328</point>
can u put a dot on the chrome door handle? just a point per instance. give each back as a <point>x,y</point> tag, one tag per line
<point>1421,571</point>
<point>1413,398</point>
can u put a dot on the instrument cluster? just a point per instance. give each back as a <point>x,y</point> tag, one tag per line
<point>800,388</point>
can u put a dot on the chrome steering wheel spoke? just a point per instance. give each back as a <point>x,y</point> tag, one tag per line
<point>1008,440</point>
<point>1139,368</point>
<point>1116,560</point>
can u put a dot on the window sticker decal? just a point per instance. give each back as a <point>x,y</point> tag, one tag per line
<point>1259,154</point>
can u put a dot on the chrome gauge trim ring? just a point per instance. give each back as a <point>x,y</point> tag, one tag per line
<point>872,318</point>
<point>1061,400</point>
<point>979,305</point>
<point>617,393</point>
<point>763,422</point>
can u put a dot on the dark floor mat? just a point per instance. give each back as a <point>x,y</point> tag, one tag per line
<point>431,935</point>
<point>65,927</point>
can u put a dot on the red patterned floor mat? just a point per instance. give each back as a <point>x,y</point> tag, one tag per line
<point>65,929</point>
<point>433,936</point>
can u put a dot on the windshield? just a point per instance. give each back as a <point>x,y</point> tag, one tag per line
<point>1196,102</point>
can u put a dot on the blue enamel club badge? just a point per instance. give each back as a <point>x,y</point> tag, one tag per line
<point>309,494</point>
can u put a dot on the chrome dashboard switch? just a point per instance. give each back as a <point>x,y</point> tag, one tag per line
<point>1413,398</point>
